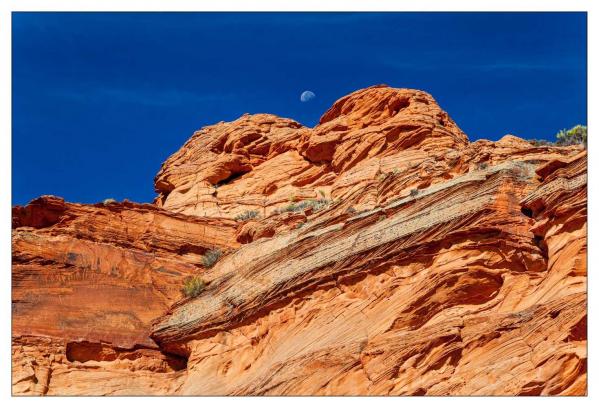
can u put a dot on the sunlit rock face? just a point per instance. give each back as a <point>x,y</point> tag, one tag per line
<point>378,253</point>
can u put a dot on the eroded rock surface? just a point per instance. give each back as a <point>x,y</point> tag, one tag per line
<point>377,253</point>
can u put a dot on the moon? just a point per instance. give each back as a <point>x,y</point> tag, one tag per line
<point>307,96</point>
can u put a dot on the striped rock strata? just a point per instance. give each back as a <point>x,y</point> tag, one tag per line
<point>424,264</point>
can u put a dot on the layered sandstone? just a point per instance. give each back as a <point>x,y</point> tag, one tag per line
<point>87,281</point>
<point>385,255</point>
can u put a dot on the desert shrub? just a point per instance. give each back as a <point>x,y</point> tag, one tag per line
<point>295,207</point>
<point>210,257</point>
<point>109,201</point>
<point>414,192</point>
<point>540,142</point>
<point>319,204</point>
<point>316,205</point>
<point>193,286</point>
<point>248,215</point>
<point>573,136</point>
<point>482,166</point>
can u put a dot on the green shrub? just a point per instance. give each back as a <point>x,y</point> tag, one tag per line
<point>210,257</point>
<point>294,207</point>
<point>414,192</point>
<point>573,136</point>
<point>193,286</point>
<point>316,206</point>
<point>109,201</point>
<point>540,142</point>
<point>319,204</point>
<point>482,166</point>
<point>248,215</point>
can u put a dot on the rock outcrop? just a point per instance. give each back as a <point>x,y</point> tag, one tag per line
<point>378,253</point>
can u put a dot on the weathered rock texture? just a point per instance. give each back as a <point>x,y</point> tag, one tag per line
<point>378,253</point>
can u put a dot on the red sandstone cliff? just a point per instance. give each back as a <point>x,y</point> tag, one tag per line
<point>386,255</point>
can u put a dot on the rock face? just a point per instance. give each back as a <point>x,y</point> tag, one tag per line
<point>378,253</point>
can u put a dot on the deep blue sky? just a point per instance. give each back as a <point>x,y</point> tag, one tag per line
<point>100,100</point>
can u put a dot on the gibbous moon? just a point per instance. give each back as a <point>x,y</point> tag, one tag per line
<point>307,96</point>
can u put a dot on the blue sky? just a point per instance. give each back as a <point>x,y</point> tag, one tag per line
<point>100,100</point>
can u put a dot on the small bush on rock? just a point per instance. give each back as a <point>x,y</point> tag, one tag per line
<point>540,142</point>
<point>574,136</point>
<point>193,286</point>
<point>248,215</point>
<point>211,257</point>
<point>316,206</point>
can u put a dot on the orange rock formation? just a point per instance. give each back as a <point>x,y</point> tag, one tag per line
<point>378,253</point>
